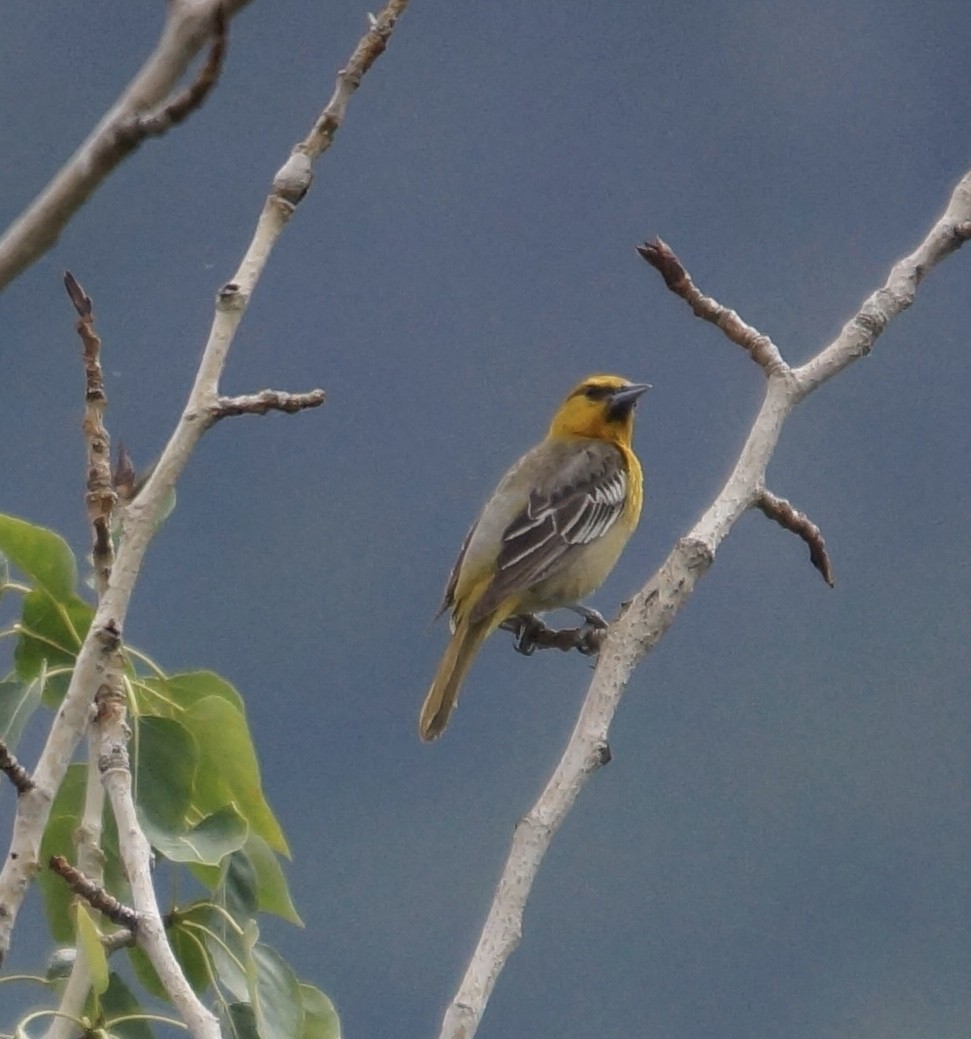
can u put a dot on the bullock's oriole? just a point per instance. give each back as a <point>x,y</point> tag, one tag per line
<point>549,535</point>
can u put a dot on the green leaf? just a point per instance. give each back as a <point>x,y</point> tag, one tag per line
<point>90,947</point>
<point>41,555</point>
<point>320,1020</point>
<point>168,697</point>
<point>228,770</point>
<point>18,701</point>
<point>119,1001</point>
<point>187,937</point>
<point>51,635</point>
<point>232,957</point>
<point>272,893</point>
<point>237,1021</point>
<point>146,973</point>
<point>166,762</point>
<point>217,836</point>
<point>59,840</point>
<point>240,887</point>
<point>275,995</point>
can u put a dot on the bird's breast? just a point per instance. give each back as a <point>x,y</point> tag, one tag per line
<point>588,567</point>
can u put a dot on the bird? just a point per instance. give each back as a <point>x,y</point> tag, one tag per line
<point>550,533</point>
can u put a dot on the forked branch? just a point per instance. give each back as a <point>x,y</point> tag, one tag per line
<point>644,621</point>
<point>144,109</point>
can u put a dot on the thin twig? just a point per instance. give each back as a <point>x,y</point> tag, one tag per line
<point>94,894</point>
<point>293,178</point>
<point>266,400</point>
<point>14,771</point>
<point>100,497</point>
<point>153,124</point>
<point>758,345</point>
<point>801,525</point>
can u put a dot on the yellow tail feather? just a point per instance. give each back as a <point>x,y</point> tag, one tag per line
<point>444,691</point>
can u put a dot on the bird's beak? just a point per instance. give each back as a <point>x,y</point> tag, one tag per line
<point>632,392</point>
<point>622,401</point>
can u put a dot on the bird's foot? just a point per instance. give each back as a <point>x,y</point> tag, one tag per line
<point>590,635</point>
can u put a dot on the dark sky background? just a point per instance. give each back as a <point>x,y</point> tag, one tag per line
<point>781,844</point>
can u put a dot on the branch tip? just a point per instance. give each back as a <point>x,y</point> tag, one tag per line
<point>14,771</point>
<point>80,299</point>
<point>100,496</point>
<point>657,253</point>
<point>798,523</point>
<point>755,343</point>
<point>94,894</point>
<point>266,400</point>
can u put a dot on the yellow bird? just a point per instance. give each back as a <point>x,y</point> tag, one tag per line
<point>549,535</point>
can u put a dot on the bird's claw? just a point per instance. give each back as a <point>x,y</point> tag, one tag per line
<point>594,618</point>
<point>589,638</point>
<point>525,633</point>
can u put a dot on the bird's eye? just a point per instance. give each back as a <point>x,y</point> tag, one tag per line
<point>594,393</point>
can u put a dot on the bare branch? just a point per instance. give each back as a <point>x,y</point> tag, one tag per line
<point>143,514</point>
<point>293,178</point>
<point>798,523</point>
<point>14,771</point>
<point>94,894</point>
<point>145,921</point>
<point>652,611</point>
<point>154,124</point>
<point>759,346</point>
<point>858,335</point>
<point>189,25</point>
<point>266,400</point>
<point>101,496</point>
<point>100,499</point>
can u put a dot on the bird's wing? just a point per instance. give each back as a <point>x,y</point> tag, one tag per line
<point>448,596</point>
<point>578,503</point>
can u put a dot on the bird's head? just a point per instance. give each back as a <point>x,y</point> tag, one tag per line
<point>600,406</point>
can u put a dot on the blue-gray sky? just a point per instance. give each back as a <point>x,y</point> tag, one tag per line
<point>780,846</point>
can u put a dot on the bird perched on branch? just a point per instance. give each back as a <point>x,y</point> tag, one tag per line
<point>549,535</point>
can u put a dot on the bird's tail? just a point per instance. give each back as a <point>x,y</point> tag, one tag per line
<point>444,691</point>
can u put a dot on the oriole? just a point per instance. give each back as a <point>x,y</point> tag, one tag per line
<point>549,535</point>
